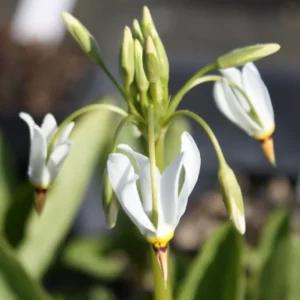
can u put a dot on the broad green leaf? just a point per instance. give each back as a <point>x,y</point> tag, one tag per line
<point>91,255</point>
<point>46,232</point>
<point>278,271</point>
<point>15,284</point>
<point>7,180</point>
<point>173,138</point>
<point>216,272</point>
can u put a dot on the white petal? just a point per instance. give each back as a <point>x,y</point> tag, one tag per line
<point>37,170</point>
<point>235,75</point>
<point>30,122</point>
<point>66,132</point>
<point>169,193</point>
<point>243,120</point>
<point>143,164</point>
<point>191,163</point>
<point>57,158</point>
<point>258,94</point>
<point>123,180</point>
<point>49,126</point>
<point>221,101</point>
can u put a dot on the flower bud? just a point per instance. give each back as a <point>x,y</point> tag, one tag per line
<point>137,32</point>
<point>146,21</point>
<point>127,58</point>
<point>109,203</point>
<point>83,37</point>
<point>156,92</point>
<point>140,76</point>
<point>161,53</point>
<point>151,62</point>
<point>247,54</point>
<point>232,196</point>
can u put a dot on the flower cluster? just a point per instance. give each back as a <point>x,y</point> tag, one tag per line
<point>153,195</point>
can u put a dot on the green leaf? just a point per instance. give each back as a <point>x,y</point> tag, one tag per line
<point>15,284</point>
<point>91,255</point>
<point>216,272</point>
<point>45,233</point>
<point>277,274</point>
<point>7,180</point>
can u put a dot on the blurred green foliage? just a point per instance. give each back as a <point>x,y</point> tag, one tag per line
<point>118,263</point>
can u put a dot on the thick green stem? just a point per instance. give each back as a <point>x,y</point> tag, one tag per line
<point>177,98</point>
<point>204,125</point>
<point>159,151</point>
<point>78,113</point>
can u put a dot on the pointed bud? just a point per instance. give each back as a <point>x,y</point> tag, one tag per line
<point>156,92</point>
<point>137,31</point>
<point>83,37</point>
<point>151,63</point>
<point>247,54</point>
<point>140,76</point>
<point>40,199</point>
<point>109,202</point>
<point>268,148</point>
<point>232,196</point>
<point>162,260</point>
<point>127,58</point>
<point>161,53</point>
<point>146,21</point>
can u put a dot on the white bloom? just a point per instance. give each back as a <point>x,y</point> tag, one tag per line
<point>129,174</point>
<point>44,168</point>
<point>256,117</point>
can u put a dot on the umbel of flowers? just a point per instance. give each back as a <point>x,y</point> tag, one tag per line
<point>155,195</point>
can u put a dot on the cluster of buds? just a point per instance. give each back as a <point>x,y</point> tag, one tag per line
<point>144,66</point>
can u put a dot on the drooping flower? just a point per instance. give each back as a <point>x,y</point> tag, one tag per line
<point>131,180</point>
<point>43,166</point>
<point>254,115</point>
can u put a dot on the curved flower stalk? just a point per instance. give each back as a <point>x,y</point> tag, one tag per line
<point>43,168</point>
<point>130,172</point>
<point>254,115</point>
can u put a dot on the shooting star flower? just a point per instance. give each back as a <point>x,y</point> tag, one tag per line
<point>130,177</point>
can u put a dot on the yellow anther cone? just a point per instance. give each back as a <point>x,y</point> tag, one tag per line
<point>268,148</point>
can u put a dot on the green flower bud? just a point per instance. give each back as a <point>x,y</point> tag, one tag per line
<point>156,92</point>
<point>83,37</point>
<point>232,196</point>
<point>151,62</point>
<point>146,21</point>
<point>127,58</point>
<point>137,32</point>
<point>161,53</point>
<point>140,76</point>
<point>109,202</point>
<point>243,55</point>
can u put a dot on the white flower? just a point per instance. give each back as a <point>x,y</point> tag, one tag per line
<point>43,167</point>
<point>131,172</point>
<point>256,117</point>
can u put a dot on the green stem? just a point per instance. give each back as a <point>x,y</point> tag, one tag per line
<point>177,98</point>
<point>159,150</point>
<point>76,114</point>
<point>151,150</point>
<point>204,125</point>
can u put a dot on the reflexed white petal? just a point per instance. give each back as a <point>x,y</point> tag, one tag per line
<point>30,122</point>
<point>143,163</point>
<point>123,180</point>
<point>65,133</point>
<point>242,118</point>
<point>221,101</point>
<point>258,94</point>
<point>37,159</point>
<point>169,193</point>
<point>191,163</point>
<point>49,126</point>
<point>57,158</point>
<point>234,74</point>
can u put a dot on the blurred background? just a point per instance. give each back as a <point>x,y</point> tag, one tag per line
<point>42,70</point>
